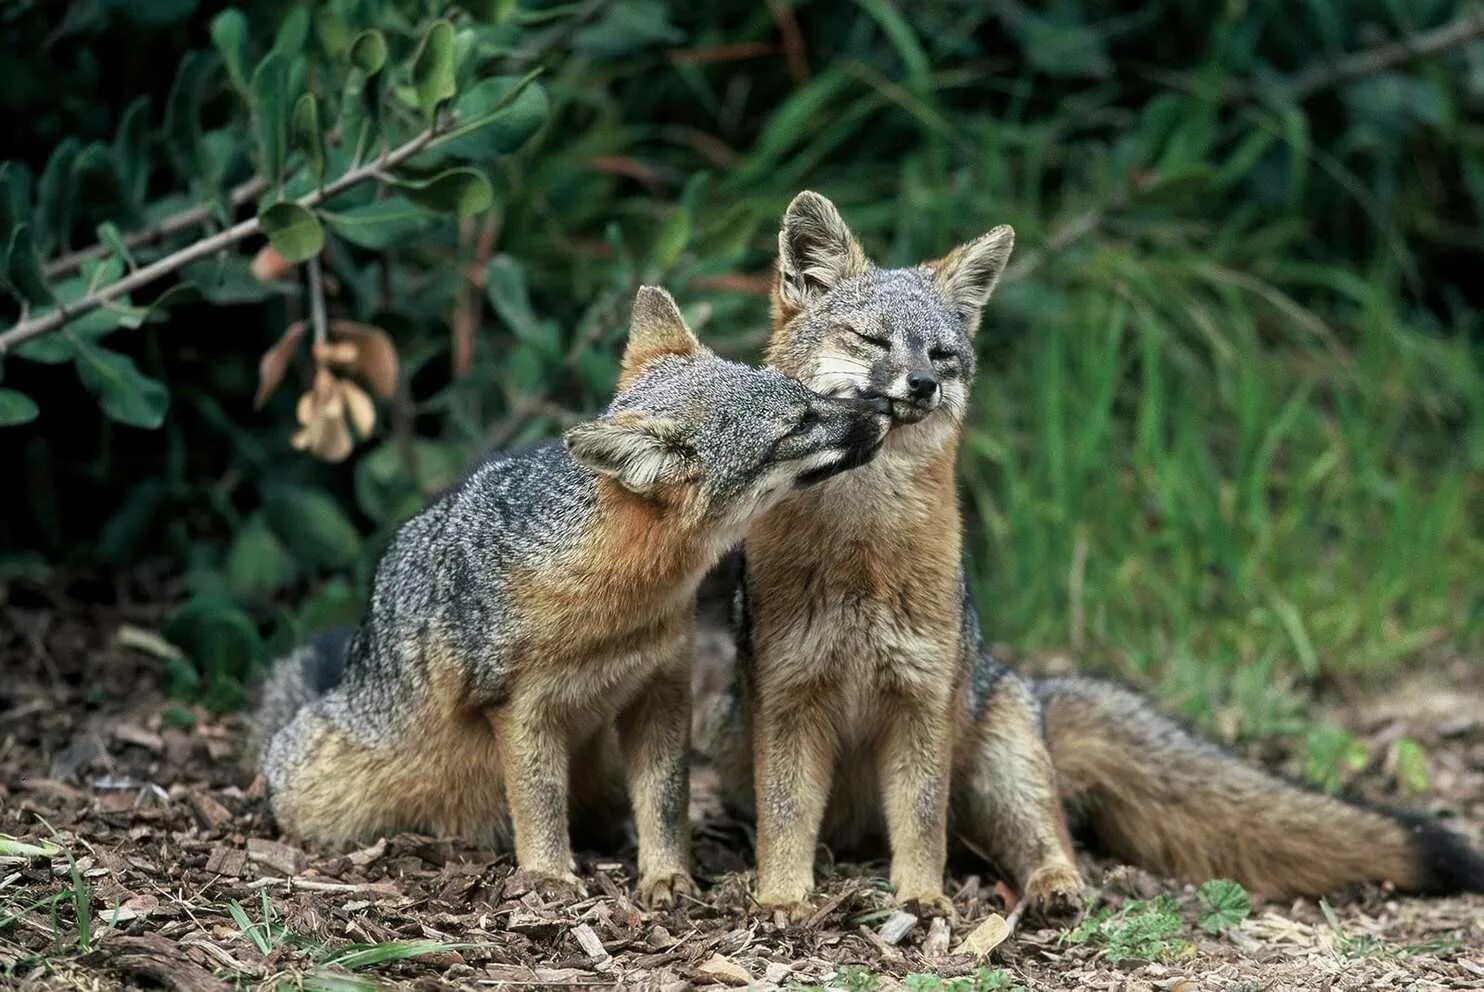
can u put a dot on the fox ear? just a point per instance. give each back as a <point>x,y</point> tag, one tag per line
<point>656,329</point>
<point>816,251</point>
<point>641,452</point>
<point>968,274</point>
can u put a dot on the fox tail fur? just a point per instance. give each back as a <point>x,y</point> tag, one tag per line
<point>299,678</point>
<point>1155,795</point>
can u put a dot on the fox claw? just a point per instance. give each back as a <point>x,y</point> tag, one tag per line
<point>664,890</point>
<point>788,914</point>
<point>560,886</point>
<point>930,904</point>
<point>1054,892</point>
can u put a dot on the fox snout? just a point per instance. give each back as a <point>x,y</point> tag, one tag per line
<point>856,427</point>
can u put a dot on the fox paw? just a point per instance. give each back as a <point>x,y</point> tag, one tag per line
<point>663,890</point>
<point>928,904</point>
<point>1054,892</point>
<point>788,914</point>
<point>559,886</point>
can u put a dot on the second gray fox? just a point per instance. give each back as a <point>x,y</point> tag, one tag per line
<point>868,703</point>
<point>527,646</point>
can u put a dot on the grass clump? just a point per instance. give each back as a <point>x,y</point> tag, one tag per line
<point>1146,930</point>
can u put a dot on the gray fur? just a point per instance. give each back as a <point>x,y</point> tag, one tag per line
<point>741,436</point>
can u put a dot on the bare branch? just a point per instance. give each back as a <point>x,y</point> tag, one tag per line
<point>54,319</point>
<point>174,224</point>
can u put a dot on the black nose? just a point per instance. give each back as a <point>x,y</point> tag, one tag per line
<point>922,385</point>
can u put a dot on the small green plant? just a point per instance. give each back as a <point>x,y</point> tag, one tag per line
<point>1333,756</point>
<point>859,979</point>
<point>1226,904</point>
<point>1408,761</point>
<point>983,980</point>
<point>1144,930</point>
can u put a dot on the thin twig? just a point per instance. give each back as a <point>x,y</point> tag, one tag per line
<point>174,224</point>
<point>1347,68</point>
<point>51,321</point>
<point>317,317</point>
<point>1384,57</point>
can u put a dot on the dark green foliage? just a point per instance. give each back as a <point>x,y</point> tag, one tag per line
<point>1229,429</point>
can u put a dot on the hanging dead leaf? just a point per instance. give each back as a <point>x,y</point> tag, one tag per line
<point>342,353</point>
<point>269,266</point>
<point>376,359</point>
<point>275,362</point>
<point>362,411</point>
<point>322,413</point>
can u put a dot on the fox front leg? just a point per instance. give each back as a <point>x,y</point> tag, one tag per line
<point>913,760</point>
<point>793,761</point>
<point>654,733</point>
<point>536,756</point>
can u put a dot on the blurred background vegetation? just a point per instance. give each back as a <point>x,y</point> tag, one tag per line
<point>1229,428</point>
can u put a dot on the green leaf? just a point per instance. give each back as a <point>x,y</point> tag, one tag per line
<point>492,11</point>
<point>312,526</point>
<point>54,198</point>
<point>293,31</point>
<point>229,34</point>
<point>626,28</point>
<point>15,199</point>
<point>1227,904</point>
<point>1062,44</point>
<point>1410,761</point>
<point>131,152</point>
<point>381,223</point>
<point>433,69</point>
<point>25,267</point>
<point>333,33</point>
<point>463,192</point>
<point>95,179</point>
<point>307,135</point>
<point>125,394</point>
<point>258,565</point>
<point>494,117</point>
<point>120,538</point>
<point>183,141</point>
<point>218,637</point>
<point>505,286</point>
<point>270,95</point>
<point>368,51</point>
<point>293,230</point>
<point>674,234</point>
<point>110,237</point>
<point>16,408</point>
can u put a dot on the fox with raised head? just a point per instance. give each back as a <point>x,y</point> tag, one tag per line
<point>868,704</point>
<point>527,645</point>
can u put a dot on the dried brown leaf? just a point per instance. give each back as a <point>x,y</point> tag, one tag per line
<point>376,361</point>
<point>275,362</point>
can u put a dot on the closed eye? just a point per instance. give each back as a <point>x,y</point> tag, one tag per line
<point>941,355</point>
<point>872,340</point>
<point>809,419</point>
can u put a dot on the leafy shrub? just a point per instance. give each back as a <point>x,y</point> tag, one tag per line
<point>1230,422</point>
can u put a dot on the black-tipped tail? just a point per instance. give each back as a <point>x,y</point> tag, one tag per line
<point>1446,864</point>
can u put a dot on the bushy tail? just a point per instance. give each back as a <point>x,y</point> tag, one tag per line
<point>1159,797</point>
<point>300,677</point>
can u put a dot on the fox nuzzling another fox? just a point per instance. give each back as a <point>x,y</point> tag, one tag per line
<point>526,651</point>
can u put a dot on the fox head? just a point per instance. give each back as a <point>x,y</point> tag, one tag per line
<point>848,328</point>
<point>720,441</point>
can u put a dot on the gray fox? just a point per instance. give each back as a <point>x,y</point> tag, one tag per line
<point>865,688</point>
<point>527,645</point>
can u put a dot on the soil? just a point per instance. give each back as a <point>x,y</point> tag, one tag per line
<point>163,835</point>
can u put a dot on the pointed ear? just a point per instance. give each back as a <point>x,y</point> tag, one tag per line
<point>641,452</point>
<point>656,329</point>
<point>816,251</point>
<point>968,274</point>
